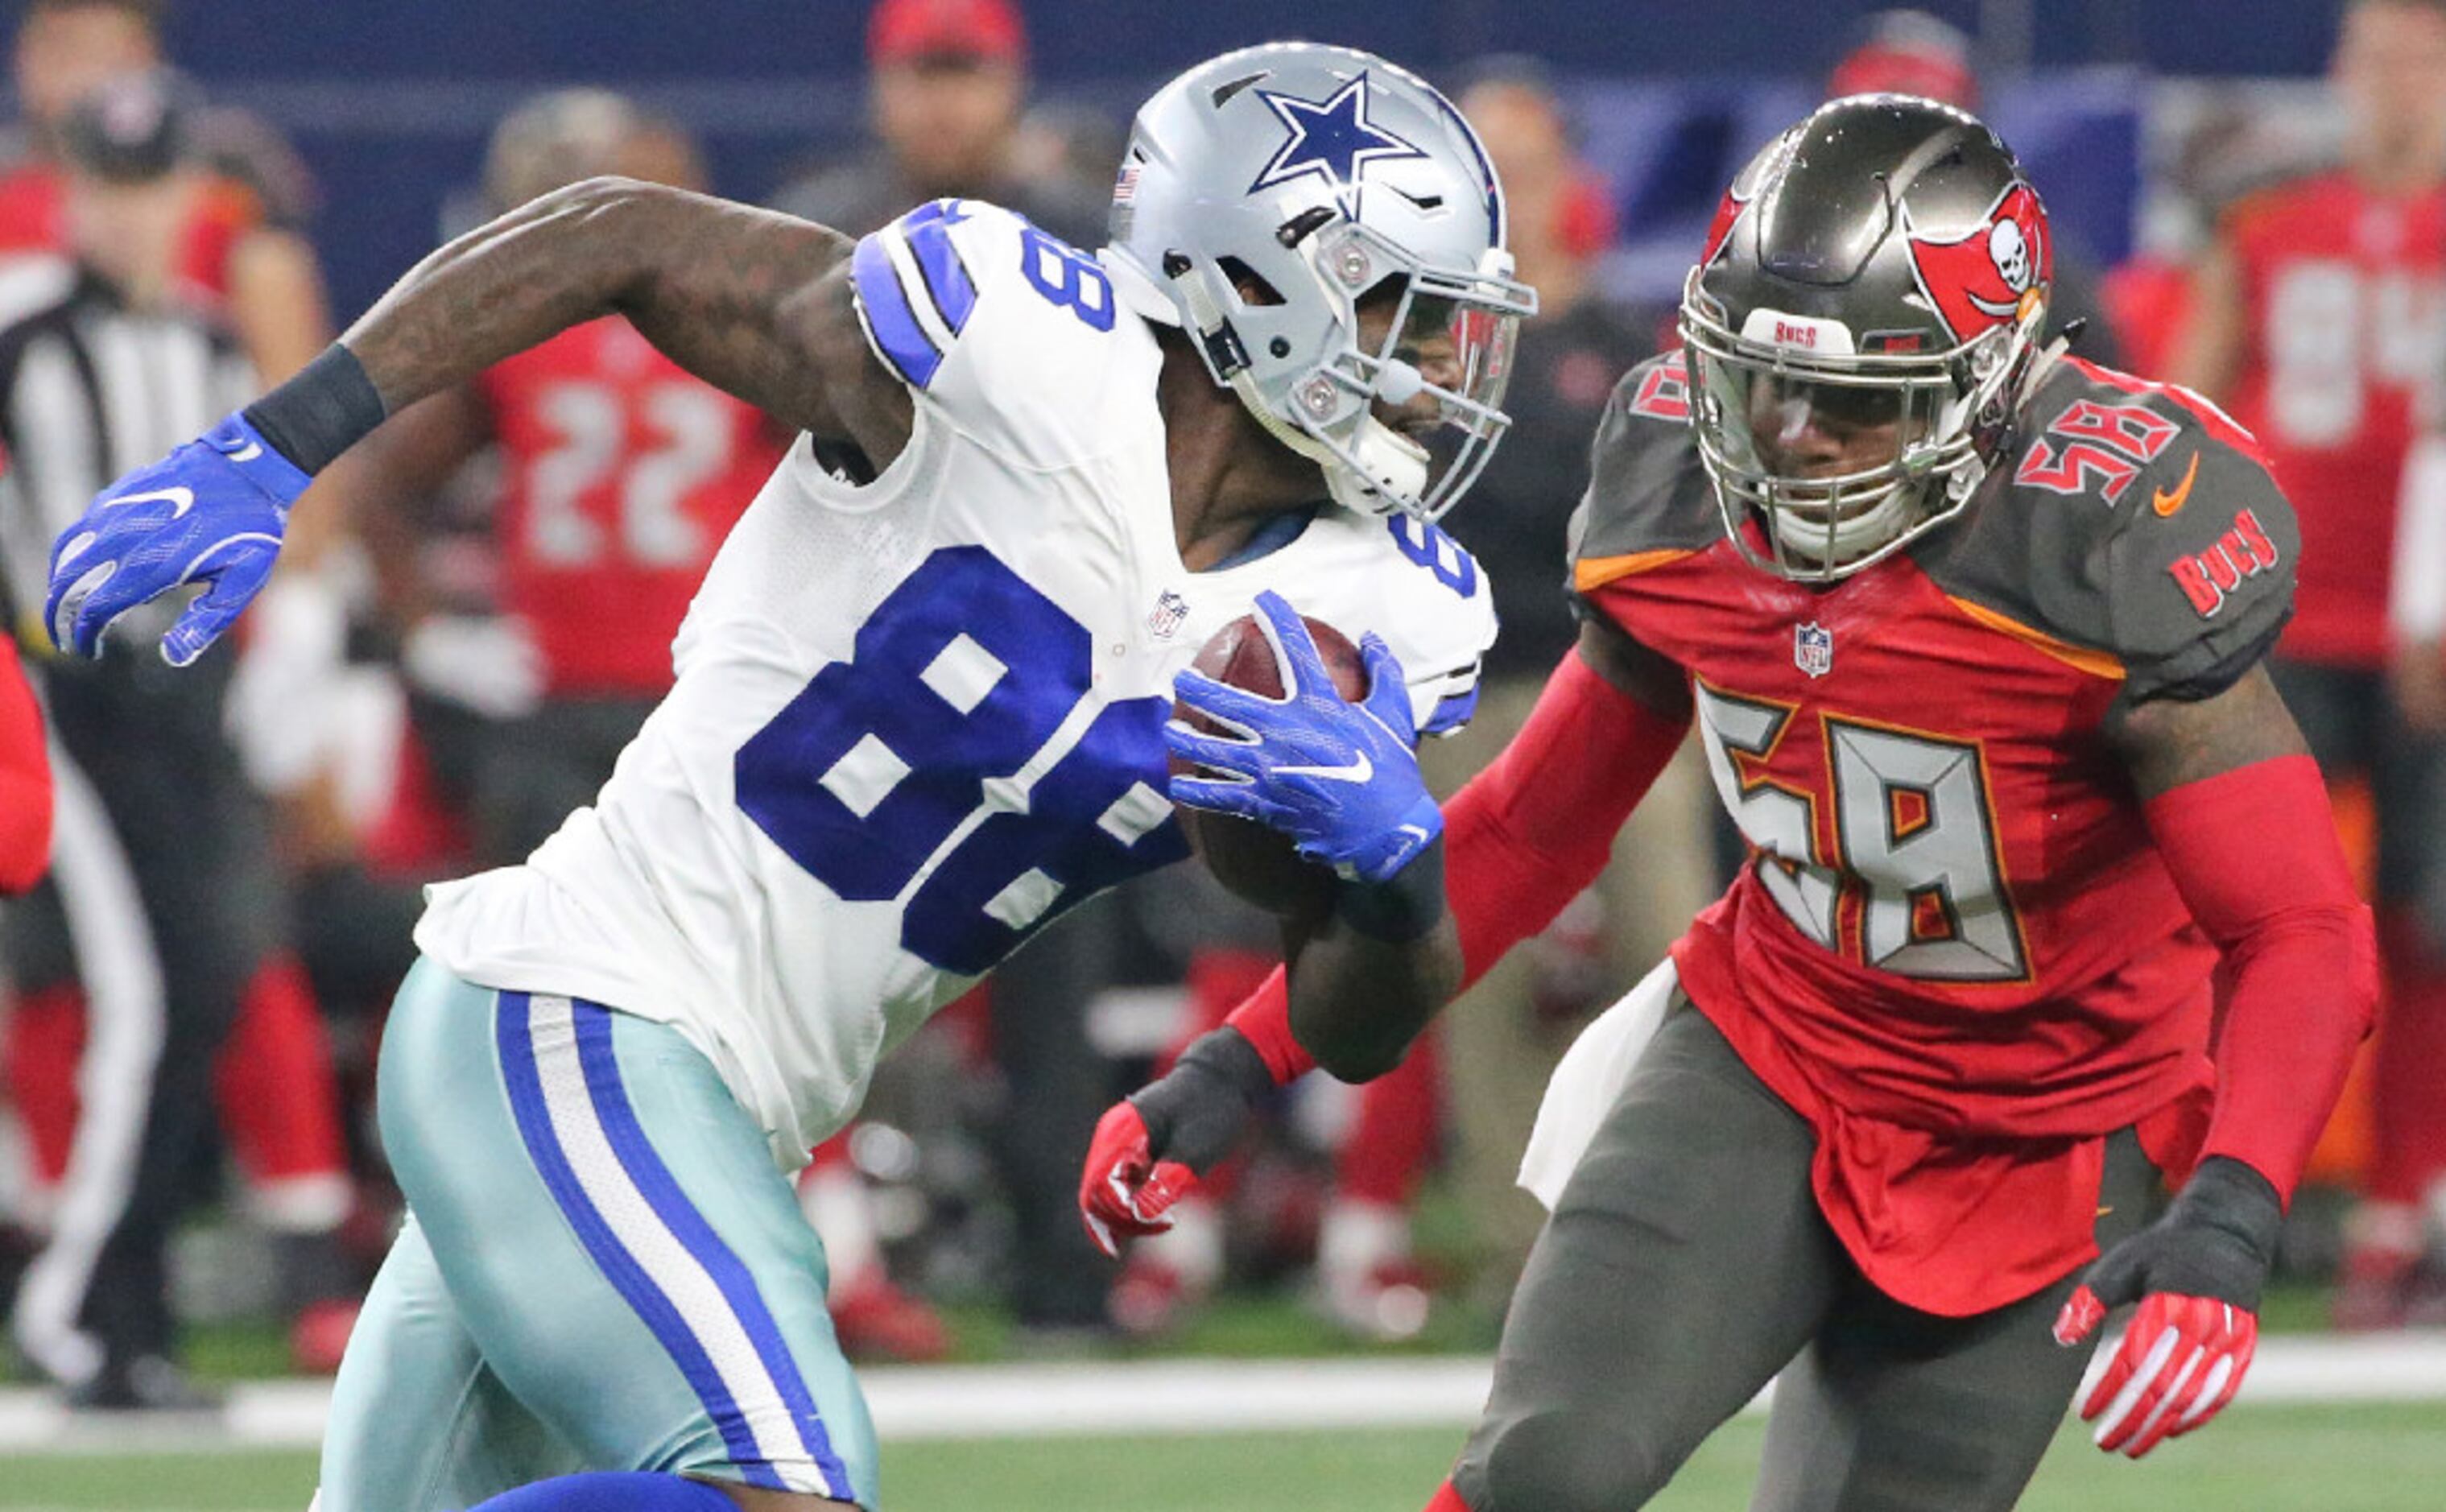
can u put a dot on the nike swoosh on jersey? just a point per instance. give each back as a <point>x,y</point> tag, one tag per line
<point>2166,503</point>
<point>181,499</point>
<point>1358,771</point>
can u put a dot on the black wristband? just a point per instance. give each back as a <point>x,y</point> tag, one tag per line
<point>1403,907</point>
<point>2227,1195</point>
<point>1195,1113</point>
<point>1227,1052</point>
<point>327,408</point>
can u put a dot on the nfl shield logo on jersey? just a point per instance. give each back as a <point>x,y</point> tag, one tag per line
<point>1813,649</point>
<point>1165,617</point>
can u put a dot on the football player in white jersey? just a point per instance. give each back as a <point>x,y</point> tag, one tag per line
<point>921,706</point>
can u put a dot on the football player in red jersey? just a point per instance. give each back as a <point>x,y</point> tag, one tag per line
<point>1972,632</point>
<point>2320,319</point>
<point>619,474</point>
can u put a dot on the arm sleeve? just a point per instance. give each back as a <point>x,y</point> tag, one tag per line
<point>2255,856</point>
<point>1525,837</point>
<point>24,781</point>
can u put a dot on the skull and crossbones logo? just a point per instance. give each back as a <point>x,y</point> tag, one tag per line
<point>2011,251</point>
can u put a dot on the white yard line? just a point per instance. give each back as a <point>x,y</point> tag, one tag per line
<point>1163,1396</point>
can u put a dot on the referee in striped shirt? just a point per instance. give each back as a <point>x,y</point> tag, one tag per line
<point>163,898</point>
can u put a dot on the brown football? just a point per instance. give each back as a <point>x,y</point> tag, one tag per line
<point>1257,863</point>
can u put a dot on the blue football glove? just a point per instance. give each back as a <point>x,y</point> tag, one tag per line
<point>212,513</point>
<point>1339,778</point>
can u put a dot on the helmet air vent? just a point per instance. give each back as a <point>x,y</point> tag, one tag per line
<point>1226,90</point>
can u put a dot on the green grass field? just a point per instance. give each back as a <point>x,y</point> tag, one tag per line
<point>2358,1459</point>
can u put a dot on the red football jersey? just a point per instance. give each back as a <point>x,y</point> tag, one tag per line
<point>2346,295</point>
<point>1954,949</point>
<point>620,476</point>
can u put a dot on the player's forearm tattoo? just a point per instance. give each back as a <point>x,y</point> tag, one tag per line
<point>725,289</point>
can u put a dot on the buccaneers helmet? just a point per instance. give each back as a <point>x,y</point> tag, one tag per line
<point>1882,264</point>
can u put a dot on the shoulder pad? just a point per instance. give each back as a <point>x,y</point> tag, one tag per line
<point>1012,333</point>
<point>1646,491</point>
<point>2140,522</point>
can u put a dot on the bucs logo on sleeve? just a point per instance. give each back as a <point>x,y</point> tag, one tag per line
<point>2241,552</point>
<point>1982,277</point>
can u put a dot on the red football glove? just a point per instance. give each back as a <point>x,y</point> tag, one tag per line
<point>2197,1274</point>
<point>1150,1150</point>
<point>1124,1192</point>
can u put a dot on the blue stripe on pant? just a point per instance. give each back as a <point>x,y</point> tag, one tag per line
<point>671,1205</point>
<point>608,1105</point>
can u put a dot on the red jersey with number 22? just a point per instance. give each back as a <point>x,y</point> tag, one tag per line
<point>621,474</point>
<point>1954,950</point>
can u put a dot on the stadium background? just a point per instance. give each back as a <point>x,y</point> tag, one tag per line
<point>390,108</point>
<point>390,104</point>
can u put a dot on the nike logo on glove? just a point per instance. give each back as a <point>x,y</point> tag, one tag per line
<point>181,499</point>
<point>246,453</point>
<point>1358,771</point>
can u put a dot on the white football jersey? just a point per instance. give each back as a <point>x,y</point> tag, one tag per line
<point>917,718</point>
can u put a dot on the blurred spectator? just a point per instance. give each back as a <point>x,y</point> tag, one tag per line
<point>947,82</point>
<point>2319,318</point>
<point>239,242</point>
<point>615,476</point>
<point>1914,52</point>
<point>164,905</point>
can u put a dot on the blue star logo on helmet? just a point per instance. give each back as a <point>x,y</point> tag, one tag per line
<point>1331,138</point>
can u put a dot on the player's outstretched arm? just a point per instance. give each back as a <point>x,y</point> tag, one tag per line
<point>753,301</point>
<point>757,303</point>
<point>2273,890</point>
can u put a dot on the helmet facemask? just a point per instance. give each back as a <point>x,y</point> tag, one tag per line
<point>1948,411</point>
<point>1441,365</point>
<point>1434,346</point>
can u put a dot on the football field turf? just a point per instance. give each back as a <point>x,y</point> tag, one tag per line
<point>2369,1458</point>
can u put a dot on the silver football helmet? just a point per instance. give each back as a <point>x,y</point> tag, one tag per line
<point>1264,195</point>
